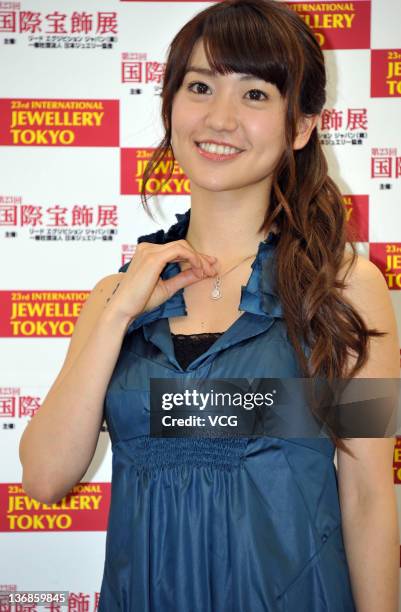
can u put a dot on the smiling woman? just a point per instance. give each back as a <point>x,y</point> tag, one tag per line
<point>255,282</point>
<point>246,108</point>
<point>243,91</point>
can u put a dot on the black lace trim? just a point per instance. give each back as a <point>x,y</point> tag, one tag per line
<point>188,347</point>
<point>198,336</point>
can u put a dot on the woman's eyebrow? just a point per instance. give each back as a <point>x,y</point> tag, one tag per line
<point>209,72</point>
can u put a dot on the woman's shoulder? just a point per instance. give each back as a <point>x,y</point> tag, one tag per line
<point>359,274</point>
<point>367,291</point>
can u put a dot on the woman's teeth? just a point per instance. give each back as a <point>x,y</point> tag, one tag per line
<point>220,150</point>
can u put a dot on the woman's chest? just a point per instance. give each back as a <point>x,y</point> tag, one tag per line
<point>208,314</point>
<point>233,354</point>
<point>128,397</point>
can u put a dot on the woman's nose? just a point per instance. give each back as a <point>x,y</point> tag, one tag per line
<point>221,114</point>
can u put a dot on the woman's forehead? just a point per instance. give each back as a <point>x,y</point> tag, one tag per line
<point>198,54</point>
<point>198,62</point>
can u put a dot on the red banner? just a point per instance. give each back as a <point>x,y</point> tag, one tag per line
<point>39,314</point>
<point>385,70</point>
<point>133,165</point>
<point>86,508</point>
<point>387,257</point>
<point>28,122</point>
<point>357,207</point>
<point>337,25</point>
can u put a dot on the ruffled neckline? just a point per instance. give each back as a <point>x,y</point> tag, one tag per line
<point>258,296</point>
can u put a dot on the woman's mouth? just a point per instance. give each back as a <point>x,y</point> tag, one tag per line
<point>217,153</point>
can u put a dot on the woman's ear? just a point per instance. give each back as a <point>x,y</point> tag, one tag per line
<point>306,125</point>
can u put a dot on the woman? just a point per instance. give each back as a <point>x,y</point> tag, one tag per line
<point>247,283</point>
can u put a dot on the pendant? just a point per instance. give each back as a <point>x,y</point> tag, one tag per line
<point>216,293</point>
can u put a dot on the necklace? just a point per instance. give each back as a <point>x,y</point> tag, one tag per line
<point>216,291</point>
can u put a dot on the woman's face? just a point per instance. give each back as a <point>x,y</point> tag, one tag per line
<point>246,113</point>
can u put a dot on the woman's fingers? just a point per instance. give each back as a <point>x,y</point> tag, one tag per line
<point>142,287</point>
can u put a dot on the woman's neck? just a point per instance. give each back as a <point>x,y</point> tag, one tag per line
<point>227,236</point>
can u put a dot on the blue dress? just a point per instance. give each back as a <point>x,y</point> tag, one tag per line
<point>218,524</point>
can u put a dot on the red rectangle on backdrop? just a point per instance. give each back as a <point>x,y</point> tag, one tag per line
<point>337,25</point>
<point>387,257</point>
<point>44,122</point>
<point>357,207</point>
<point>385,73</point>
<point>85,508</point>
<point>30,313</point>
<point>132,166</point>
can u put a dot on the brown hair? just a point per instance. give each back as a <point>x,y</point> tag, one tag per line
<point>269,40</point>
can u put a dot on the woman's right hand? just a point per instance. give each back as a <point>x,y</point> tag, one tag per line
<point>141,287</point>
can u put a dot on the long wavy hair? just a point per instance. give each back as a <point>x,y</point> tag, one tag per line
<point>269,40</point>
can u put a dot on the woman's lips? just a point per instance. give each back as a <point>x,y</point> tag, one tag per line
<point>216,156</point>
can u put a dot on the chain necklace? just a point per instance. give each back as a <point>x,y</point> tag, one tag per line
<point>216,291</point>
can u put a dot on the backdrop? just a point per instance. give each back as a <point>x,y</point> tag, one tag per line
<point>79,116</point>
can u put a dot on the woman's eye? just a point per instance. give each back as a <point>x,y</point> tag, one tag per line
<point>202,85</point>
<point>258,91</point>
<point>196,83</point>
